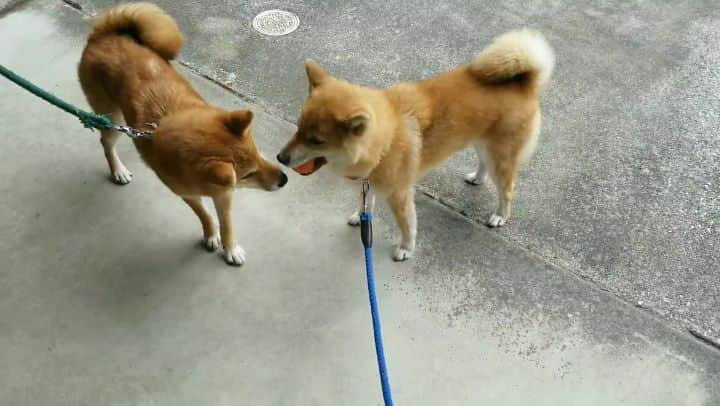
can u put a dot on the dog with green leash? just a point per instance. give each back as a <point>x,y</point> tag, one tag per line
<point>197,150</point>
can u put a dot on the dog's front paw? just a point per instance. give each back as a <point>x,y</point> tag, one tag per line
<point>402,253</point>
<point>354,219</point>
<point>496,220</point>
<point>212,243</point>
<point>235,256</point>
<point>474,179</point>
<point>121,176</point>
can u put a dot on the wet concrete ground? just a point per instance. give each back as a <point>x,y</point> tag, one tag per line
<point>106,299</point>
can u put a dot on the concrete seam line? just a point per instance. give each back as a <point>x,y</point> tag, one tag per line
<point>73,4</point>
<point>704,339</point>
<point>246,98</point>
<point>680,329</point>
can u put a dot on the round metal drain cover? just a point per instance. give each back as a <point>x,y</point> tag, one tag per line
<point>275,22</point>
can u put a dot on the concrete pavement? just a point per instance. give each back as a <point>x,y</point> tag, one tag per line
<point>105,297</point>
<point>624,187</point>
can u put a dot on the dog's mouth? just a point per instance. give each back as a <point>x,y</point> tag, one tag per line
<point>309,167</point>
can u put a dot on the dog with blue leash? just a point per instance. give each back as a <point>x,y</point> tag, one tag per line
<point>394,136</point>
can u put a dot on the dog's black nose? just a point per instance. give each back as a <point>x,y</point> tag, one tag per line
<point>283,158</point>
<point>283,180</point>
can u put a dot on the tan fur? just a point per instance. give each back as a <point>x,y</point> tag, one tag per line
<point>155,29</point>
<point>516,53</point>
<point>197,150</point>
<point>410,128</point>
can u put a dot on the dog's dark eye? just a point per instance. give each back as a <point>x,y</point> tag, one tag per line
<point>316,141</point>
<point>249,175</point>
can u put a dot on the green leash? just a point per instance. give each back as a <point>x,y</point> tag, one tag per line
<point>89,120</point>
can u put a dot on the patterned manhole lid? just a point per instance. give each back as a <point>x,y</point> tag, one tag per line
<point>275,22</point>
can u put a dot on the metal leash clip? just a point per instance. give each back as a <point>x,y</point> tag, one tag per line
<point>368,200</point>
<point>135,133</point>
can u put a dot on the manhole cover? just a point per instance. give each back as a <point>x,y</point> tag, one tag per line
<point>276,22</point>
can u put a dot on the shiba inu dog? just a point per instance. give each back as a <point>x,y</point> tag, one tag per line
<point>394,136</point>
<point>196,150</point>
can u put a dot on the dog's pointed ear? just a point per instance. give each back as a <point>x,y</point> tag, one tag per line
<point>356,123</point>
<point>315,73</point>
<point>238,121</point>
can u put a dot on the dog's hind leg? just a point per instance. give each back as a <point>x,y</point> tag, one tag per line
<point>101,104</point>
<point>402,204</point>
<point>505,177</point>
<point>480,175</point>
<point>504,165</point>
<point>108,138</point>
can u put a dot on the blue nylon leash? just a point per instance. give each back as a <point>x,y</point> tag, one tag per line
<point>366,235</point>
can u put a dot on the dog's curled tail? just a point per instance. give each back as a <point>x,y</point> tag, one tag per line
<point>147,23</point>
<point>522,55</point>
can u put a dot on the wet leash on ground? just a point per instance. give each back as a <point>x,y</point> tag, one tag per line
<point>89,120</point>
<point>368,203</point>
